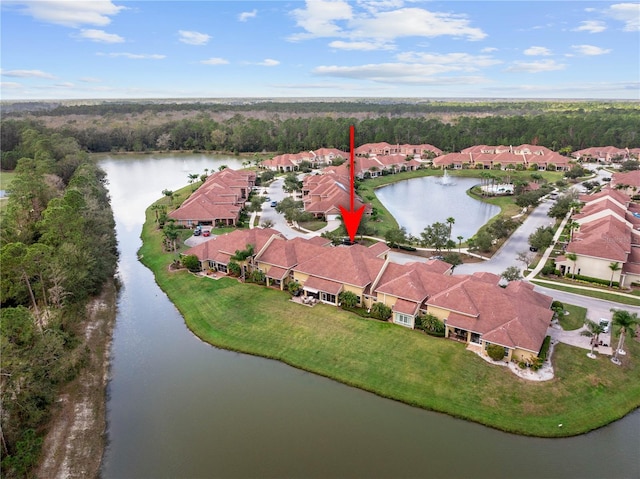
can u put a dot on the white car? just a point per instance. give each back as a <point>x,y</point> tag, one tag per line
<point>605,323</point>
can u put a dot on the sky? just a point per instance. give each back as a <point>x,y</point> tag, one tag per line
<point>70,49</point>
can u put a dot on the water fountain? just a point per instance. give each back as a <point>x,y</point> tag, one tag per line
<point>446,179</point>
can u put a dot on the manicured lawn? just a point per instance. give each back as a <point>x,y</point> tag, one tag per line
<point>396,362</point>
<point>575,319</point>
<point>313,225</point>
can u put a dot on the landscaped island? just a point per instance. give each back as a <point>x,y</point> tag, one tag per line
<point>396,362</point>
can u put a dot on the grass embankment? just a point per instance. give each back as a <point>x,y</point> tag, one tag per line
<point>575,319</point>
<point>395,362</point>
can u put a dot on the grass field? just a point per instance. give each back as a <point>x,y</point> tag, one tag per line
<point>575,319</point>
<point>592,294</point>
<point>395,362</point>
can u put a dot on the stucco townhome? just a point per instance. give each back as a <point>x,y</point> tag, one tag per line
<point>607,243</point>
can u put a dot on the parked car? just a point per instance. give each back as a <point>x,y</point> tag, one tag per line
<point>605,323</point>
<point>197,232</point>
<point>206,233</point>
<point>533,248</point>
<point>274,203</point>
<point>267,199</point>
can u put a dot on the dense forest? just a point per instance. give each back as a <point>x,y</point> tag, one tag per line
<point>58,248</point>
<point>151,127</point>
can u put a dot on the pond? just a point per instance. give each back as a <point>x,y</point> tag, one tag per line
<point>178,407</point>
<point>419,202</point>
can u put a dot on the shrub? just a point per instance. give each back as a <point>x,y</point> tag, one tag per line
<point>432,325</point>
<point>381,311</point>
<point>294,287</point>
<point>192,263</point>
<point>257,276</point>
<point>544,350</point>
<point>495,352</point>
<point>234,268</point>
<point>348,299</point>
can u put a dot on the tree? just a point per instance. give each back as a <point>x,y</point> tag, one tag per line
<point>450,221</point>
<point>191,262</point>
<point>625,322</point>
<point>574,258</point>
<point>512,273</point>
<point>192,178</point>
<point>348,299</point>
<point>460,238</point>
<point>396,236</point>
<point>572,225</point>
<point>267,223</point>
<point>431,324</point>
<point>453,259</point>
<point>615,266</point>
<point>292,183</point>
<point>593,331</point>
<point>170,231</point>
<point>483,241</point>
<point>561,208</point>
<point>495,352</point>
<point>525,257</point>
<point>234,269</point>
<point>541,238</point>
<point>169,194</point>
<point>435,236</point>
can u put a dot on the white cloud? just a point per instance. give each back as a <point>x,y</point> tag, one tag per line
<point>318,18</point>
<point>489,50</point>
<point>215,61</point>
<point>71,13</point>
<point>362,46</point>
<point>65,84</point>
<point>90,80</point>
<point>244,16</point>
<point>134,56</point>
<point>408,22</point>
<point>408,73</point>
<point>27,74</point>
<point>377,23</point>
<point>449,61</point>
<point>591,26</point>
<point>589,50</point>
<point>99,36</point>
<point>193,38</point>
<point>537,51</point>
<point>629,13</point>
<point>11,85</point>
<point>536,67</point>
<point>268,62</point>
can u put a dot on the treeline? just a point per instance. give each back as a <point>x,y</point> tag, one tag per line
<point>374,106</point>
<point>567,132</point>
<point>58,248</point>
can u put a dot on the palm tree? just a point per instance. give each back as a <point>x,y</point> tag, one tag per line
<point>450,221</point>
<point>615,266</point>
<point>572,225</point>
<point>625,321</point>
<point>572,257</point>
<point>593,331</point>
<point>460,238</point>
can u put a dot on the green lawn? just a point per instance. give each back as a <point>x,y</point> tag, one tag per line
<point>395,362</point>
<point>313,225</point>
<point>575,319</point>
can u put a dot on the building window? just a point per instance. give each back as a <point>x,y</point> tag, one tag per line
<point>475,338</point>
<point>328,298</point>
<point>403,319</point>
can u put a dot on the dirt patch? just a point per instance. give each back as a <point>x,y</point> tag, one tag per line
<point>76,439</point>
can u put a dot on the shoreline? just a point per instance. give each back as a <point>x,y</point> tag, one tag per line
<point>213,322</point>
<point>76,440</point>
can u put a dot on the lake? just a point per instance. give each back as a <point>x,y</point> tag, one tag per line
<point>419,202</point>
<point>178,407</point>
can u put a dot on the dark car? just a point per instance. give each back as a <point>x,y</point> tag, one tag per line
<point>197,232</point>
<point>274,203</point>
<point>533,248</point>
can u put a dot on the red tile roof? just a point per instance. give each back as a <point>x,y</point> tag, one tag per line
<point>321,284</point>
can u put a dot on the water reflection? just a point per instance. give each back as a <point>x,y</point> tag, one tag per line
<point>419,202</point>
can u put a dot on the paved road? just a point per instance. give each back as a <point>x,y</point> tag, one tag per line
<point>276,193</point>
<point>519,241</point>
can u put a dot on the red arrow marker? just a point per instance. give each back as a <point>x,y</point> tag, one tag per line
<point>352,218</point>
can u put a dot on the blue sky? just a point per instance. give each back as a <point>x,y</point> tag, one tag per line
<point>69,49</point>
